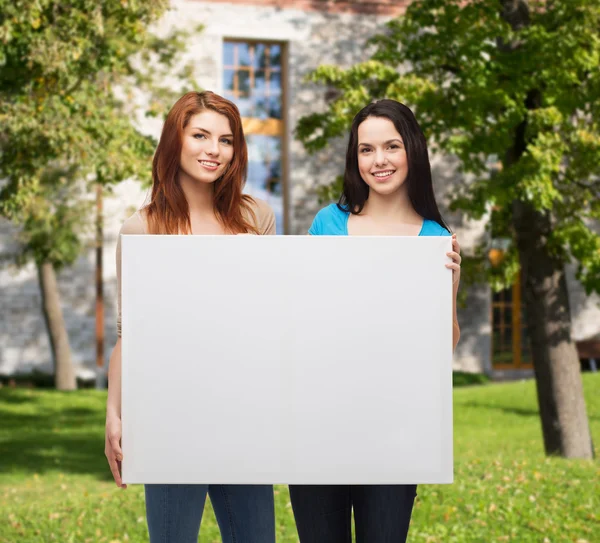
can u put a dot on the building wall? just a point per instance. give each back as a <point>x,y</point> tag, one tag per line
<point>369,7</point>
<point>320,32</point>
<point>585,310</point>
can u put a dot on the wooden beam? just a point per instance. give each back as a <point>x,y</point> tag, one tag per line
<point>265,127</point>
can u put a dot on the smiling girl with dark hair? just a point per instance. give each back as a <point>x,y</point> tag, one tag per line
<point>387,191</point>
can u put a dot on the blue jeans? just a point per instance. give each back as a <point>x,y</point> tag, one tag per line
<point>381,512</point>
<point>245,513</point>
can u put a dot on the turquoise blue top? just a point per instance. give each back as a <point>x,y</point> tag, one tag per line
<point>332,221</point>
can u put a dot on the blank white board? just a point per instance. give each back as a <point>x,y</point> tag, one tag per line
<point>296,359</point>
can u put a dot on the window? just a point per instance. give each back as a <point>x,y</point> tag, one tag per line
<point>510,342</point>
<point>252,79</point>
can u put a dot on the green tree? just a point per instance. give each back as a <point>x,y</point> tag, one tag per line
<point>518,83</point>
<point>71,73</point>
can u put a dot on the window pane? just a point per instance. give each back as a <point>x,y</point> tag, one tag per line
<point>228,54</point>
<point>497,341</point>
<point>275,107</point>
<point>275,55</point>
<point>259,81</point>
<point>245,105</point>
<point>260,60</point>
<point>243,82</point>
<point>228,80</point>
<point>275,83</point>
<point>262,107</point>
<point>496,316</point>
<point>243,50</point>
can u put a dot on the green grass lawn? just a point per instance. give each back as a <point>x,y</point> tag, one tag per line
<point>55,484</point>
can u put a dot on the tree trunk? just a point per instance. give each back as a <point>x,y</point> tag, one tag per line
<point>64,373</point>
<point>556,363</point>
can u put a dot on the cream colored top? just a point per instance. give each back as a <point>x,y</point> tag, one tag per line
<point>136,224</point>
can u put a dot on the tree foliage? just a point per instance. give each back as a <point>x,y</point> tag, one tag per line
<point>74,77</point>
<point>520,99</point>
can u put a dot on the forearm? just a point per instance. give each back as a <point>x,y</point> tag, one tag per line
<point>455,325</point>
<point>113,404</point>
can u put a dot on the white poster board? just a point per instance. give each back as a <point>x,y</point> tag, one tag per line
<point>292,359</point>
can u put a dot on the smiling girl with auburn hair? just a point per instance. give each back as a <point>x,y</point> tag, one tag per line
<point>198,174</point>
<point>168,210</point>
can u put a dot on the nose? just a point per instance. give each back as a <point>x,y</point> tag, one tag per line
<point>380,158</point>
<point>213,148</point>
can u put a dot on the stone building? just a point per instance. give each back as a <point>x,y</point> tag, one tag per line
<point>258,52</point>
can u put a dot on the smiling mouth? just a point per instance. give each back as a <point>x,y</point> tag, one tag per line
<point>209,164</point>
<point>384,174</point>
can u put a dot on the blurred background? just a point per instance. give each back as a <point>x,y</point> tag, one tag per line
<point>508,94</point>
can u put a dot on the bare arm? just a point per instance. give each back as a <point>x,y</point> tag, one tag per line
<point>112,441</point>
<point>455,326</point>
<point>455,267</point>
<point>112,438</point>
<point>113,404</point>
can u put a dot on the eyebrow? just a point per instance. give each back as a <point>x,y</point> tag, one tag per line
<point>385,142</point>
<point>208,132</point>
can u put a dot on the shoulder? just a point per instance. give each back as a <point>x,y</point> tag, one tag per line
<point>134,225</point>
<point>432,228</point>
<point>264,215</point>
<point>261,208</point>
<point>329,220</point>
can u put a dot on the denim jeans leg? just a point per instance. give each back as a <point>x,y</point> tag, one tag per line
<point>245,513</point>
<point>322,513</point>
<point>382,512</point>
<point>174,512</point>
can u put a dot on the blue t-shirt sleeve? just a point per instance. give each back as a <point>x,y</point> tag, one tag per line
<point>432,228</point>
<point>329,221</point>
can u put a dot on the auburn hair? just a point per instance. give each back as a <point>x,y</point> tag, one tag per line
<point>168,210</point>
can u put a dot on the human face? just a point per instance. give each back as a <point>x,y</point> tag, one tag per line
<point>207,147</point>
<point>382,159</point>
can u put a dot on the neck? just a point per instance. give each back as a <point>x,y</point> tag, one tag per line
<point>199,196</point>
<point>395,206</point>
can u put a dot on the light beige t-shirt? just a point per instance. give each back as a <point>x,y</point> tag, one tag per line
<point>136,224</point>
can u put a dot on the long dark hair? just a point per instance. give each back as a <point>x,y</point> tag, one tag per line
<point>420,187</point>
